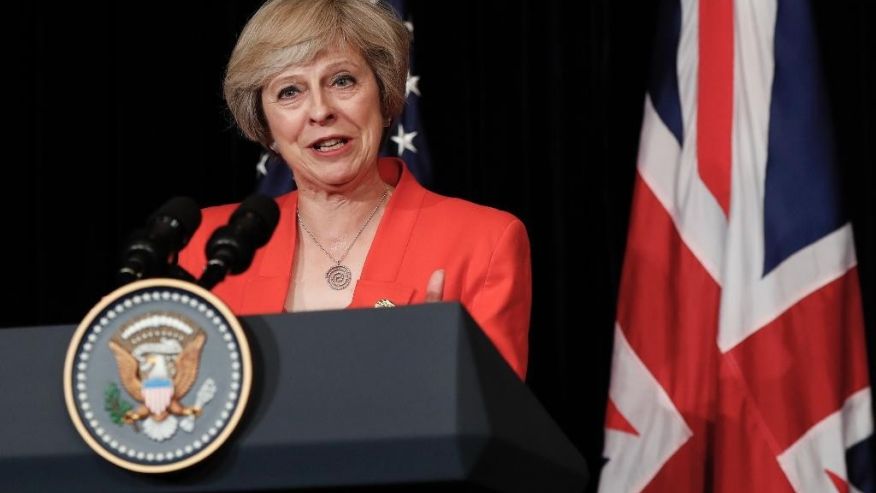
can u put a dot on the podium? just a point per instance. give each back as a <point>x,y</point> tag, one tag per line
<point>411,398</point>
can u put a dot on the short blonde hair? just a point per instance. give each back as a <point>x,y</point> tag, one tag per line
<point>283,33</point>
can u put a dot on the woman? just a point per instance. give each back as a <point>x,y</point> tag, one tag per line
<point>319,81</point>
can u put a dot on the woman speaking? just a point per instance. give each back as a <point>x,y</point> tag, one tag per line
<point>318,82</point>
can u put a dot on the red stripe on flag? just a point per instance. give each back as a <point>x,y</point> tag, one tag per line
<point>614,420</point>
<point>838,482</point>
<point>745,458</point>
<point>804,365</point>
<point>745,462</point>
<point>687,470</point>
<point>668,310</point>
<point>715,100</point>
<point>668,306</point>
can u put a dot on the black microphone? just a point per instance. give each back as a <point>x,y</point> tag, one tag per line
<point>232,247</point>
<point>151,251</point>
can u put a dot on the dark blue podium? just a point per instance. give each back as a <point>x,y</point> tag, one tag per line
<point>402,398</point>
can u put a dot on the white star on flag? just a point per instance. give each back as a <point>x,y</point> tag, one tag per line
<point>404,140</point>
<point>261,167</point>
<point>411,85</point>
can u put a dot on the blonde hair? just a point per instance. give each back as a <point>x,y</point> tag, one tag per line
<point>283,33</point>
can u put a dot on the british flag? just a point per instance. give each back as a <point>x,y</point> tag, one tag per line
<point>739,358</point>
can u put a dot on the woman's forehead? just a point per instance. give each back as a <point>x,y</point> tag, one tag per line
<point>325,59</point>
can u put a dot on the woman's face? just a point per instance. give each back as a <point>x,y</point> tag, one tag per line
<point>325,119</point>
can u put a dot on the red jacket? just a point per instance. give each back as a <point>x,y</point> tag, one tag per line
<point>483,251</point>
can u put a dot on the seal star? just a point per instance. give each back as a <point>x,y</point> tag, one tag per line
<point>404,140</point>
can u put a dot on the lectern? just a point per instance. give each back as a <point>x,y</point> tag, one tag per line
<point>408,398</point>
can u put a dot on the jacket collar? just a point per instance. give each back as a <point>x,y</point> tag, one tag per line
<point>266,290</point>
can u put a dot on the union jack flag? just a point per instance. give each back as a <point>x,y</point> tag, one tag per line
<point>405,138</point>
<point>739,359</point>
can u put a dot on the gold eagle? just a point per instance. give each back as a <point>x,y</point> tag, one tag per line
<point>184,376</point>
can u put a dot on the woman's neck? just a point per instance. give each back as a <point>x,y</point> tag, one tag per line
<point>337,215</point>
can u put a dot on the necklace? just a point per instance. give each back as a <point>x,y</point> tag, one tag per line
<point>339,276</point>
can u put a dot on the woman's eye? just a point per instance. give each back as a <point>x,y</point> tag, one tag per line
<point>287,93</point>
<point>345,80</point>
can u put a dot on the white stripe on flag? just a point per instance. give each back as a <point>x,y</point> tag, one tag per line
<point>750,301</point>
<point>634,460</point>
<point>673,178</point>
<point>824,446</point>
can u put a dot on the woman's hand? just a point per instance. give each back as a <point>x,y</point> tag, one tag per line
<point>435,286</point>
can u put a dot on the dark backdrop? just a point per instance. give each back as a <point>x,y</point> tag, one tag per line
<point>533,107</point>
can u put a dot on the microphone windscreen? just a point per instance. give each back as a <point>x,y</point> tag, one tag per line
<point>266,211</point>
<point>182,209</point>
<point>152,251</point>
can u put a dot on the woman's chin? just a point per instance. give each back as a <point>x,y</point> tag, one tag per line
<point>337,179</point>
<point>337,174</point>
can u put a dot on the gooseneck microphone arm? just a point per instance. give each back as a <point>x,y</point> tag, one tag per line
<point>215,272</point>
<point>232,247</point>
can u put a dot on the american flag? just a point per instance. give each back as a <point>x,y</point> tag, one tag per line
<point>739,358</point>
<point>406,139</point>
<point>405,136</point>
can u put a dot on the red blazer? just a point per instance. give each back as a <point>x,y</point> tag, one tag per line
<point>483,251</point>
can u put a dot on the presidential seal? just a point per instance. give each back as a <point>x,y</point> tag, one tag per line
<point>157,375</point>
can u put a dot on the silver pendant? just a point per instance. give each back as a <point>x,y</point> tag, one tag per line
<point>338,277</point>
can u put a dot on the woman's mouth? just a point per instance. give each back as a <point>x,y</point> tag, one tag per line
<point>328,145</point>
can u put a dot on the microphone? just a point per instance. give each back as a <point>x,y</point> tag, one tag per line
<point>151,251</point>
<point>232,247</point>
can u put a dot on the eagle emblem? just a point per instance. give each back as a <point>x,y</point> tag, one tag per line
<point>158,356</point>
<point>157,375</point>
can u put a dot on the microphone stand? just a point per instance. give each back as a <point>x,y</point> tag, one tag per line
<point>127,275</point>
<point>174,271</point>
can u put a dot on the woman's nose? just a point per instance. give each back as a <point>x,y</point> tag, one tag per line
<point>322,110</point>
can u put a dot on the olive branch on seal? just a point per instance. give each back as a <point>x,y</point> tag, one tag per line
<point>114,404</point>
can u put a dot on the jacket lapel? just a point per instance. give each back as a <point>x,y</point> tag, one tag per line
<point>266,291</point>
<point>379,279</point>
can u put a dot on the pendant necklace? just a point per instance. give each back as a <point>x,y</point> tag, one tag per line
<point>339,275</point>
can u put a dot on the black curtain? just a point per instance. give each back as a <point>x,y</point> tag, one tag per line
<point>532,107</point>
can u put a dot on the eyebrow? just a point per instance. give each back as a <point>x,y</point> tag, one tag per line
<point>328,68</point>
